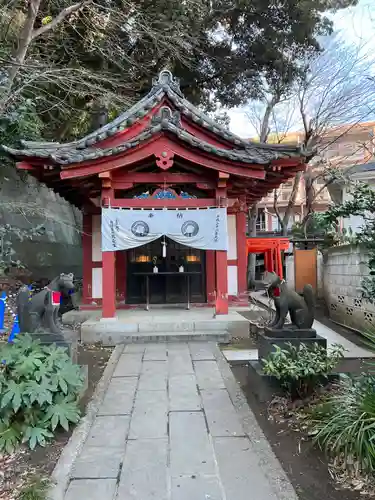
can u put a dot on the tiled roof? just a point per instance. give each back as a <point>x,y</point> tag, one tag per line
<point>165,86</point>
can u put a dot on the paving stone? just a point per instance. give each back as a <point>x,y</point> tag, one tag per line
<point>120,397</point>
<point>132,348</point>
<point>155,352</point>
<point>208,375</point>
<point>190,448</point>
<point>154,367</point>
<point>150,415</point>
<point>153,376</point>
<point>201,351</point>
<point>144,471</point>
<point>98,462</point>
<point>182,347</point>
<point>221,416</point>
<point>183,393</point>
<point>239,470</point>
<point>109,431</point>
<point>129,365</point>
<point>196,488</point>
<point>92,489</point>
<point>179,360</point>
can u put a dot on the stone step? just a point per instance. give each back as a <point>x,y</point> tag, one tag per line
<point>111,338</point>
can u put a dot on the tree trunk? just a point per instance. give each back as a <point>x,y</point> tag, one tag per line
<point>26,37</point>
<point>253,212</point>
<point>291,203</point>
<point>19,55</point>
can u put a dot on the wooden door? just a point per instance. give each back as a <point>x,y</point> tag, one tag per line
<point>305,269</point>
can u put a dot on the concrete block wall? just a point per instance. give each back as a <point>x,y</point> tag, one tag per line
<point>343,271</point>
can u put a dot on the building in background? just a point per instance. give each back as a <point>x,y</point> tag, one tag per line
<point>343,147</point>
<point>340,192</point>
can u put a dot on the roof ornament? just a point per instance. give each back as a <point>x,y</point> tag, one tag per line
<point>166,78</point>
<point>165,114</point>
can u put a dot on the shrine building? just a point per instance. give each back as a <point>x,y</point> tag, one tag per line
<point>164,191</point>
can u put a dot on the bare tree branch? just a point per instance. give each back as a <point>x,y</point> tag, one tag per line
<point>59,18</point>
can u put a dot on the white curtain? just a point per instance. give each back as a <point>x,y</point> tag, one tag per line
<point>205,229</point>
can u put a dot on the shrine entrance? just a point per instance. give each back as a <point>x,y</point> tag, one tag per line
<point>168,285</point>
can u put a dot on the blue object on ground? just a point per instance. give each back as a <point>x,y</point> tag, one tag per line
<point>15,329</point>
<point>3,297</point>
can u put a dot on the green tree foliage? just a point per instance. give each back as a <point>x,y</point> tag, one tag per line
<point>317,226</point>
<point>77,55</point>
<point>39,387</point>
<point>362,203</point>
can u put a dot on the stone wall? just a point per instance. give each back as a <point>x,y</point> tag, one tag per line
<point>344,269</point>
<point>59,249</point>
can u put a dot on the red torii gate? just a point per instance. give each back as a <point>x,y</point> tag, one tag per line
<point>271,248</point>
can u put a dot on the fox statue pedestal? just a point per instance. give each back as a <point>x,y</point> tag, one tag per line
<point>301,310</point>
<point>273,338</point>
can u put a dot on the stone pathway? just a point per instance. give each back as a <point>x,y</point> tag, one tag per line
<point>174,425</point>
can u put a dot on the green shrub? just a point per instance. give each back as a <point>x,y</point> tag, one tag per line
<point>39,386</point>
<point>301,368</point>
<point>344,425</point>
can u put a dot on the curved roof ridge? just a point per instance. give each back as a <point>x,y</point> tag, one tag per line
<point>73,155</point>
<point>107,130</point>
<point>165,85</point>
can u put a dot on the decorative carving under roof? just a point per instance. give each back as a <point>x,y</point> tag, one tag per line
<point>165,114</point>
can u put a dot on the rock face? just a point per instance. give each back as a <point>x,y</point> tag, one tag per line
<point>59,248</point>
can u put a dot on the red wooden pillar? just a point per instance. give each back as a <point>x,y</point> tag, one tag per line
<point>271,261</point>
<point>108,258</point>
<point>266,260</point>
<point>241,253</point>
<point>87,258</point>
<point>279,266</point>
<point>221,257</point>
<point>221,282</point>
<point>109,285</point>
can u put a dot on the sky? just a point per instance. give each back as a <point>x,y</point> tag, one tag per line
<point>356,23</point>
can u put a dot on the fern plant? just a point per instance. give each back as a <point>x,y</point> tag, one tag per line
<point>39,388</point>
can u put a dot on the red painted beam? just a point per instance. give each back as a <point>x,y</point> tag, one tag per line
<point>153,178</point>
<point>122,185</point>
<point>154,203</point>
<point>24,165</point>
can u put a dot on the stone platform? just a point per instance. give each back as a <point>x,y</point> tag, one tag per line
<point>159,325</point>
